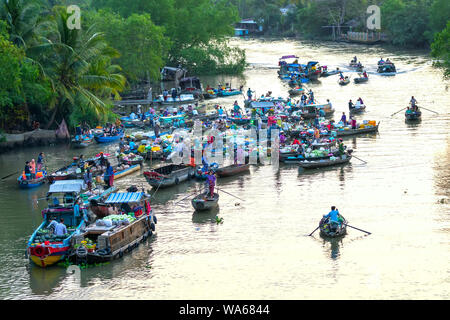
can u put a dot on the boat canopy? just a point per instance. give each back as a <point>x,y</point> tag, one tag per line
<point>66,186</point>
<point>262,104</point>
<point>125,197</point>
<point>312,63</point>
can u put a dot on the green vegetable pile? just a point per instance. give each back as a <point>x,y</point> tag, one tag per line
<point>119,217</point>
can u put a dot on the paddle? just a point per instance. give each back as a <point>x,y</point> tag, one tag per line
<point>398,111</point>
<point>359,159</point>
<point>314,230</point>
<point>230,194</point>
<point>9,175</point>
<point>190,195</point>
<point>356,228</point>
<point>428,110</point>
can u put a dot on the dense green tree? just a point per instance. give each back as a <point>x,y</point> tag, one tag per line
<point>440,49</point>
<point>71,62</point>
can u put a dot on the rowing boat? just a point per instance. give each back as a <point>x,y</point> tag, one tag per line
<point>232,170</point>
<point>360,80</point>
<point>344,82</point>
<point>327,231</point>
<point>203,202</point>
<point>107,139</point>
<point>325,162</point>
<point>41,176</point>
<point>358,109</point>
<point>350,132</point>
<point>413,115</point>
<point>169,175</point>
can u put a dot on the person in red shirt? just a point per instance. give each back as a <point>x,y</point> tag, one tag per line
<point>296,142</point>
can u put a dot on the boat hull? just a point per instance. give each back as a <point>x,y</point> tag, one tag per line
<point>232,170</point>
<point>204,203</point>
<point>323,164</point>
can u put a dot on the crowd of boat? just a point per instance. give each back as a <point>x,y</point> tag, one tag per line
<point>88,220</point>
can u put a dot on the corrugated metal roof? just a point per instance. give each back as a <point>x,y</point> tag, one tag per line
<point>67,186</point>
<point>124,197</point>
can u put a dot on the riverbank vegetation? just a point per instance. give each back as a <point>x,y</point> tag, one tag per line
<point>50,72</point>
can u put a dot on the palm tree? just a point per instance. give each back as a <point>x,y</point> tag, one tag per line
<point>78,65</point>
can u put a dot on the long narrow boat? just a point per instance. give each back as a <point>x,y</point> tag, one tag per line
<point>107,139</point>
<point>240,120</point>
<point>228,92</point>
<point>109,238</point>
<point>324,162</point>
<point>327,232</point>
<point>44,248</point>
<point>169,175</point>
<point>350,132</point>
<point>41,176</point>
<point>203,202</point>
<point>296,91</point>
<point>232,170</point>
<point>126,171</point>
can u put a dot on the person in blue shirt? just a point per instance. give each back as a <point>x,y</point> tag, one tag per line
<point>333,215</point>
<point>60,228</point>
<point>249,94</point>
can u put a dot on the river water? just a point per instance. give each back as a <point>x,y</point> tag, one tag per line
<point>261,250</point>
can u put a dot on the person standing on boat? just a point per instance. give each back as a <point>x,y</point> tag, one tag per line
<point>211,179</point>
<point>303,99</point>
<point>109,175</point>
<point>88,178</point>
<point>333,215</point>
<point>353,122</point>
<point>249,94</point>
<point>344,118</point>
<point>33,169</point>
<point>27,170</point>
<point>350,105</point>
<point>413,102</point>
<point>40,161</point>
<point>341,147</point>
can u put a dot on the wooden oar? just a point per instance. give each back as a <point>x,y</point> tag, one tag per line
<point>359,159</point>
<point>230,194</point>
<point>357,228</point>
<point>428,110</point>
<point>398,111</point>
<point>9,175</point>
<point>190,195</point>
<point>314,230</point>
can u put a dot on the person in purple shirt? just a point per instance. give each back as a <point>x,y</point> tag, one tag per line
<point>344,118</point>
<point>211,179</point>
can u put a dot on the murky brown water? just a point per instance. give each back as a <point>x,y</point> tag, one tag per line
<point>261,251</point>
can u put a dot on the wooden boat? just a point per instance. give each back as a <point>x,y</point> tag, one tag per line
<point>232,170</point>
<point>203,202</point>
<point>44,248</point>
<point>108,139</point>
<point>344,82</point>
<point>387,69</point>
<point>358,109</point>
<point>327,232</point>
<point>329,73</point>
<point>169,175</point>
<point>296,91</point>
<point>228,92</point>
<point>360,80</point>
<point>353,64</point>
<point>240,120</point>
<point>181,99</point>
<point>315,164</point>
<point>41,177</point>
<point>84,142</point>
<point>126,171</point>
<point>413,115</point>
<point>350,132</point>
<point>209,95</point>
<point>109,238</point>
<point>131,160</point>
<point>72,171</point>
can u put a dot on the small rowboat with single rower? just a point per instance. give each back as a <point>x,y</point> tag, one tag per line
<point>413,115</point>
<point>361,80</point>
<point>344,82</point>
<point>328,230</point>
<point>204,202</point>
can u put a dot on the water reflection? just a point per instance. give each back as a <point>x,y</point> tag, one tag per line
<point>332,246</point>
<point>44,281</point>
